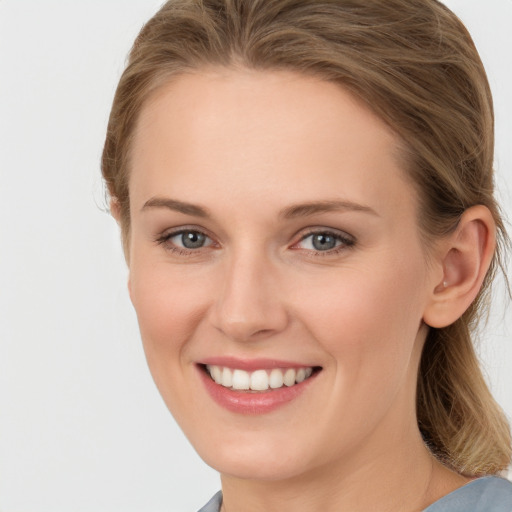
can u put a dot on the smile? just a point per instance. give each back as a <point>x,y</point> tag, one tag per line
<point>256,386</point>
<point>258,380</point>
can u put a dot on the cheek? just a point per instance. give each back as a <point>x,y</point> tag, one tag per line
<point>169,304</point>
<point>369,328</point>
<point>367,318</point>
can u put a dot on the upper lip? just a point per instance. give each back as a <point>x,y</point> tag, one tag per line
<point>252,364</point>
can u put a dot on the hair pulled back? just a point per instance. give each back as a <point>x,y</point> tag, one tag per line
<point>415,65</point>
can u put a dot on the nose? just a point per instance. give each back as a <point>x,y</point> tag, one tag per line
<point>249,305</point>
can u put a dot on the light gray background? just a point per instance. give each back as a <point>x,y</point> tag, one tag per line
<point>82,427</point>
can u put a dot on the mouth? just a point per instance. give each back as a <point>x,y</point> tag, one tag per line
<point>257,386</point>
<point>260,380</point>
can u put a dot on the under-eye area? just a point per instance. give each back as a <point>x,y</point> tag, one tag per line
<point>259,380</point>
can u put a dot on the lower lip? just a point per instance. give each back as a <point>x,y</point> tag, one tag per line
<point>250,402</point>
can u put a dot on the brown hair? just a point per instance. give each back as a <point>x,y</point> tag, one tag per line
<point>415,65</point>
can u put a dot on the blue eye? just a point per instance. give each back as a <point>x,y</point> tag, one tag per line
<point>324,241</point>
<point>188,239</point>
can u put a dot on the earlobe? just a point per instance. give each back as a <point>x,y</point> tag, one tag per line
<point>465,257</point>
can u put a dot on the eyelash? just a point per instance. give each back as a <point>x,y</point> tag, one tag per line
<point>165,238</point>
<point>346,242</point>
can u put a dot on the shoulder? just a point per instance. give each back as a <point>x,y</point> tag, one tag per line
<point>214,504</point>
<point>488,494</point>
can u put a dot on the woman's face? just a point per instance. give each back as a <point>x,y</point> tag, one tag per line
<point>274,238</point>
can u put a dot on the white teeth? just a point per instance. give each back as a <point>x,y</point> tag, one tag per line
<point>227,378</point>
<point>301,375</point>
<point>289,377</point>
<point>216,373</point>
<point>259,380</point>
<point>276,378</point>
<point>241,379</point>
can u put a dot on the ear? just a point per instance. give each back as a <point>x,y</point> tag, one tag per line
<point>115,209</point>
<point>465,256</point>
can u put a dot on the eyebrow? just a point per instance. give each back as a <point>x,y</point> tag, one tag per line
<point>175,205</point>
<point>290,212</point>
<point>315,207</point>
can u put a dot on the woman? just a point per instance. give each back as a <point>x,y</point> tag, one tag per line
<point>305,193</point>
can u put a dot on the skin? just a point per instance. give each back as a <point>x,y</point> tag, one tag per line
<point>245,147</point>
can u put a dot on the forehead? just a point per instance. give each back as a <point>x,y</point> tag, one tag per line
<point>260,130</point>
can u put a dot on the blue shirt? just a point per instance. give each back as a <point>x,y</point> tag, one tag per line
<point>488,494</point>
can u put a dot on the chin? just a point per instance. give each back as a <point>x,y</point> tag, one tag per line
<point>256,468</point>
<point>265,459</point>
